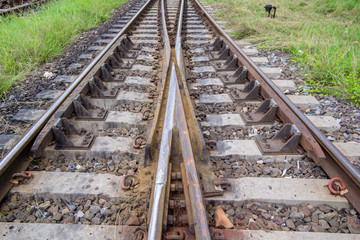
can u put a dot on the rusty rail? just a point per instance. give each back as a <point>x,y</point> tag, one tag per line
<point>192,186</point>
<point>324,153</point>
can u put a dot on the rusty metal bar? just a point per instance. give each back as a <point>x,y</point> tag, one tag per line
<point>197,207</point>
<point>334,163</point>
<point>35,129</point>
<point>193,186</point>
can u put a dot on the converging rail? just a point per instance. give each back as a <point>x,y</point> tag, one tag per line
<point>132,148</point>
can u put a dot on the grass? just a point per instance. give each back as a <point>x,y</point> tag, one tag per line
<point>322,35</point>
<point>36,38</point>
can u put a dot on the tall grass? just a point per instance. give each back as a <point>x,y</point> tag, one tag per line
<point>323,35</point>
<point>26,42</point>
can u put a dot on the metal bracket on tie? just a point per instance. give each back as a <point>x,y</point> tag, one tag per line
<point>85,110</point>
<point>105,73</point>
<point>250,92</point>
<point>98,89</point>
<point>266,113</point>
<point>67,136</point>
<point>229,65</point>
<point>216,45</point>
<point>129,44</point>
<point>284,142</point>
<point>239,76</point>
<point>115,60</point>
<point>222,54</point>
<point>124,53</point>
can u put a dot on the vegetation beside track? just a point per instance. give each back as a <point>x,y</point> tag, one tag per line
<point>38,37</point>
<point>322,35</point>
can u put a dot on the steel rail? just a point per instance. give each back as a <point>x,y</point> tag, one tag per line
<point>178,48</point>
<point>166,35</point>
<point>158,197</point>
<point>22,7</point>
<point>344,168</point>
<point>193,186</point>
<point>157,206</point>
<point>35,129</point>
<point>198,210</point>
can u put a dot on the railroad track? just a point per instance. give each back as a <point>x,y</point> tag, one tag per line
<point>172,132</point>
<point>11,6</point>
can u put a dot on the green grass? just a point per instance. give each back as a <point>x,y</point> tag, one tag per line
<point>322,35</point>
<point>36,38</point>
